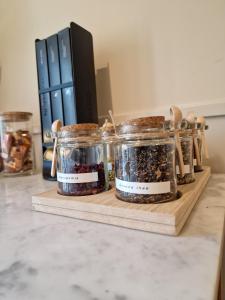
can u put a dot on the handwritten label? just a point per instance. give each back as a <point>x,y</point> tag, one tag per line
<point>77,178</point>
<point>147,188</point>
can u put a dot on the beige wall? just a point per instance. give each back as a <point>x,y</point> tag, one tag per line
<point>154,53</point>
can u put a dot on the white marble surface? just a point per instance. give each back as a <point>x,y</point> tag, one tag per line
<point>50,257</point>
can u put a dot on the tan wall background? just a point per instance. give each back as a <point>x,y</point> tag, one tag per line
<point>149,54</point>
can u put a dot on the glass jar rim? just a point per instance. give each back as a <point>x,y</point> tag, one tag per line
<point>15,116</point>
<point>146,135</point>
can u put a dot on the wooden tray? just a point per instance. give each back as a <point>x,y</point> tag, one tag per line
<point>166,218</point>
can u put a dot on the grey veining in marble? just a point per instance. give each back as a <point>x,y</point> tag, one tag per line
<point>50,257</point>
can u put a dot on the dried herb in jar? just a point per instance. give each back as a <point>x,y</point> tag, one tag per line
<point>81,167</point>
<point>85,188</point>
<point>145,162</point>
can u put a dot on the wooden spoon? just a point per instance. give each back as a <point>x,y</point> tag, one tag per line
<point>197,151</point>
<point>201,120</point>
<point>56,125</point>
<point>113,120</point>
<point>192,119</point>
<point>176,118</point>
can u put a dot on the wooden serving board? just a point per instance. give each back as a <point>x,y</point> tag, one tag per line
<point>165,218</point>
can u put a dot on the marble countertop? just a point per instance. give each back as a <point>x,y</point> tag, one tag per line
<point>51,257</point>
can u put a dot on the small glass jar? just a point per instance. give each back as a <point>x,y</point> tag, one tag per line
<point>17,156</point>
<point>186,140</point>
<point>109,139</point>
<point>145,162</point>
<point>80,161</point>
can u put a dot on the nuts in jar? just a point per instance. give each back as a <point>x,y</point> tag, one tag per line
<point>16,143</point>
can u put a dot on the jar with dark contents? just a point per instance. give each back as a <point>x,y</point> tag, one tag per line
<point>186,140</point>
<point>80,161</point>
<point>109,139</point>
<point>145,162</point>
<point>16,151</point>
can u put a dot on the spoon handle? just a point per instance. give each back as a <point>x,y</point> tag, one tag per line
<point>197,153</point>
<point>176,118</point>
<point>54,159</point>
<point>180,154</point>
<point>204,144</point>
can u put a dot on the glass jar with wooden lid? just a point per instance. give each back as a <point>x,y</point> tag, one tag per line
<point>145,161</point>
<point>80,160</point>
<point>17,157</point>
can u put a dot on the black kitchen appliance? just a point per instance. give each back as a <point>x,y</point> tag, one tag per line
<point>66,82</point>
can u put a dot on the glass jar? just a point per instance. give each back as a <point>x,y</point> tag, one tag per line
<point>145,162</point>
<point>80,161</point>
<point>17,157</point>
<point>186,140</point>
<point>109,139</point>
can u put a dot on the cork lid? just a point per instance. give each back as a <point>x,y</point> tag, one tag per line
<point>15,116</point>
<point>77,131</point>
<point>142,124</point>
<point>79,127</point>
<point>152,121</point>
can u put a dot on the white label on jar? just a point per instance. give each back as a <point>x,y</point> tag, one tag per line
<point>194,162</point>
<point>109,166</point>
<point>143,187</point>
<point>77,178</point>
<point>186,169</point>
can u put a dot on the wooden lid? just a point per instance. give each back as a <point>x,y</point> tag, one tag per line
<point>15,116</point>
<point>79,127</point>
<point>151,122</point>
<point>142,125</point>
